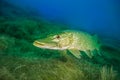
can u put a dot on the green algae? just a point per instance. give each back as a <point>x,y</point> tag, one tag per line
<point>20,60</point>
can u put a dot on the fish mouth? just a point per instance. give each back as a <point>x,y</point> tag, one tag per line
<point>44,44</point>
<point>48,45</point>
<point>38,43</point>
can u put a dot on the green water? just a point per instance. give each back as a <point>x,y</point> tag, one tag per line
<point>20,60</point>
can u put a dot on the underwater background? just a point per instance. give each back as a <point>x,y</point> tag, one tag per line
<point>24,21</point>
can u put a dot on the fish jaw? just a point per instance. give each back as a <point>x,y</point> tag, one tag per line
<point>48,45</point>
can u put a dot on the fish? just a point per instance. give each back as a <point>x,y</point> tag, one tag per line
<point>73,41</point>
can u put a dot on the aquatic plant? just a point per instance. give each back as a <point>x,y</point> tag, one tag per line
<point>20,60</point>
<point>23,28</point>
<point>5,74</point>
<point>107,73</point>
<point>48,69</point>
<point>6,42</point>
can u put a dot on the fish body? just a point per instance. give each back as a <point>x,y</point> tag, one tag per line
<point>74,41</point>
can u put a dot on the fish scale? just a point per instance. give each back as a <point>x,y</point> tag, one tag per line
<point>74,41</point>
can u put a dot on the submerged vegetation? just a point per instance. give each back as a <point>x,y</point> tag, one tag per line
<point>20,60</point>
<point>108,73</point>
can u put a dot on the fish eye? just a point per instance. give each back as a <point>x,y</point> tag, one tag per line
<point>57,36</point>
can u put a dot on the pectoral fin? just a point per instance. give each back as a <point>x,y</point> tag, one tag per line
<point>76,53</point>
<point>89,53</point>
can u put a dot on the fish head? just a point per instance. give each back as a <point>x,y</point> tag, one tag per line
<point>60,41</point>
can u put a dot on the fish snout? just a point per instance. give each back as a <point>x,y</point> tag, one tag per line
<point>38,43</point>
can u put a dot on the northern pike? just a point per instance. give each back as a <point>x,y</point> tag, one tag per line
<point>73,41</point>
